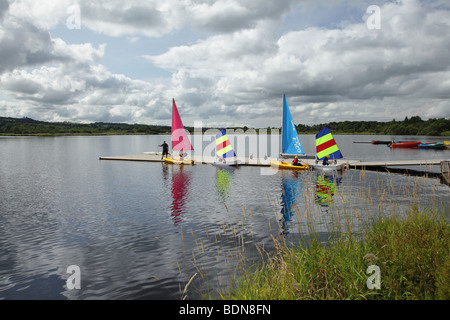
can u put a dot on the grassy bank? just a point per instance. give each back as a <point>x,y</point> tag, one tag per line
<point>412,253</point>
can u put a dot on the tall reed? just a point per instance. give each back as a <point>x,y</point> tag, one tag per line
<point>388,223</point>
<point>412,253</point>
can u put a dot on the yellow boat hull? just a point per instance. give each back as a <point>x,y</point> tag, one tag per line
<point>179,161</point>
<point>287,165</point>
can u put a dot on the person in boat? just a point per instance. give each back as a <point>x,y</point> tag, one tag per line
<point>325,160</point>
<point>165,151</point>
<point>295,162</point>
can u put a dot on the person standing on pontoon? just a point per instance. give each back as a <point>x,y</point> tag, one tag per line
<point>165,151</point>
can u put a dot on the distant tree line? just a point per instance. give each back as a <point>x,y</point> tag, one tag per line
<point>409,126</point>
<point>24,126</point>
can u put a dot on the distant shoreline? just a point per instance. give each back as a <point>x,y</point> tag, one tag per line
<point>414,126</point>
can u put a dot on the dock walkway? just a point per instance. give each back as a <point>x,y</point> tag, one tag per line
<point>391,166</point>
<point>349,164</point>
<point>156,157</point>
<point>445,170</point>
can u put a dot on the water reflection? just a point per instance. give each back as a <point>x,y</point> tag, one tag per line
<point>223,182</point>
<point>181,178</point>
<point>326,186</point>
<point>60,205</point>
<point>290,194</point>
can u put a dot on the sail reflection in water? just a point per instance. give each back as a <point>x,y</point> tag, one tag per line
<point>224,176</point>
<point>181,177</point>
<point>326,186</point>
<point>290,196</point>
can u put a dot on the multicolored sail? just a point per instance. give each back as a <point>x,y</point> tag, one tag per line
<point>325,145</point>
<point>180,140</point>
<point>223,146</point>
<point>290,143</point>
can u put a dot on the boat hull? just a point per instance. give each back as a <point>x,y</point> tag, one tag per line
<point>179,161</point>
<point>287,165</point>
<point>381,142</point>
<point>408,144</point>
<point>226,164</point>
<point>431,146</point>
<point>331,167</point>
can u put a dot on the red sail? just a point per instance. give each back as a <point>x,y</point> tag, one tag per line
<point>180,140</point>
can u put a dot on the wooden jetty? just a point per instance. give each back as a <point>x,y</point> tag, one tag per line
<point>445,171</point>
<point>390,166</point>
<point>363,164</point>
<point>156,157</point>
<point>136,157</point>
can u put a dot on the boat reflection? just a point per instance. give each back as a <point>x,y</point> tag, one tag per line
<point>181,177</point>
<point>326,187</point>
<point>223,181</point>
<point>290,194</point>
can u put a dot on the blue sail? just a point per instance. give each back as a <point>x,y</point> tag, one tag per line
<point>290,143</point>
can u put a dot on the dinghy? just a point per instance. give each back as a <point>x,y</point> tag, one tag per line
<point>290,144</point>
<point>433,145</point>
<point>327,148</point>
<point>404,144</point>
<point>180,140</point>
<point>226,157</point>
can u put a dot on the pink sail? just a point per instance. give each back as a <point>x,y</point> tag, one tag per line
<point>180,140</point>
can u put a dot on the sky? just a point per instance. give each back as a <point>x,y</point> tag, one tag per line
<point>226,63</point>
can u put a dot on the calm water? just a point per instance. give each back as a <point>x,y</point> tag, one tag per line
<point>141,230</point>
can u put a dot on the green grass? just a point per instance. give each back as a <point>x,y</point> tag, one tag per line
<point>412,252</point>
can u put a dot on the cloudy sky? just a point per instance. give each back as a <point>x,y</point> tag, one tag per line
<point>225,62</point>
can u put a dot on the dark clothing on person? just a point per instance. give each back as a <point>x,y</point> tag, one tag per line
<point>325,161</point>
<point>165,147</point>
<point>295,162</point>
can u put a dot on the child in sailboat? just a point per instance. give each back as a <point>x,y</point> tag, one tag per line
<point>295,162</point>
<point>325,160</point>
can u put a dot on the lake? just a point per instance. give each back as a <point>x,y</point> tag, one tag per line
<point>140,230</point>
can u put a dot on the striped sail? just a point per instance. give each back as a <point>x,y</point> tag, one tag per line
<point>325,145</point>
<point>223,146</point>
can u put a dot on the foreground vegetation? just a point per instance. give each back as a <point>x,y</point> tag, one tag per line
<point>412,126</point>
<point>412,253</point>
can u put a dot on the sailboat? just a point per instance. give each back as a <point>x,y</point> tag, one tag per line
<point>224,151</point>
<point>290,143</point>
<point>180,140</point>
<point>326,147</point>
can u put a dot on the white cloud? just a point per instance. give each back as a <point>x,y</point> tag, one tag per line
<point>248,69</point>
<point>237,71</point>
